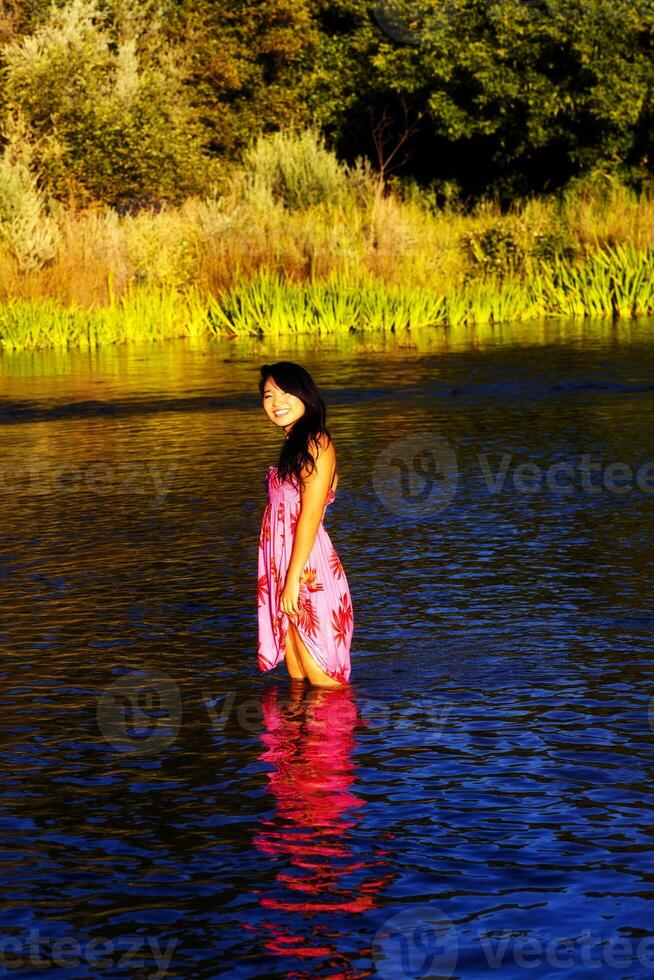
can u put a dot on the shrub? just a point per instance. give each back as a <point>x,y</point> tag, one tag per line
<point>293,169</point>
<point>27,231</point>
<point>106,100</point>
<point>495,249</point>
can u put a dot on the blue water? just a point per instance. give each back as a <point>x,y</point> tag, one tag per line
<point>479,801</point>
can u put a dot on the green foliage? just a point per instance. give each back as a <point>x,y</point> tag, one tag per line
<point>135,102</point>
<point>431,198</point>
<point>494,250</point>
<point>554,244</point>
<point>611,282</point>
<point>27,231</point>
<point>510,95</point>
<point>145,314</point>
<point>294,169</point>
<point>105,103</point>
<point>251,64</point>
<point>615,282</point>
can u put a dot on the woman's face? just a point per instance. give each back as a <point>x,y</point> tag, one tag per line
<point>282,408</point>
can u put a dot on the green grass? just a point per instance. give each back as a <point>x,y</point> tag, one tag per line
<point>298,243</point>
<point>613,282</point>
<point>142,315</point>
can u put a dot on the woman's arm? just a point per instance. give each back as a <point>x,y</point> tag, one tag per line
<point>313,496</point>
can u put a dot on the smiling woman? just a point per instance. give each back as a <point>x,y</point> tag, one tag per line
<point>304,604</point>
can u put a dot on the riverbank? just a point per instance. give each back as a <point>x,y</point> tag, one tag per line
<point>247,263</point>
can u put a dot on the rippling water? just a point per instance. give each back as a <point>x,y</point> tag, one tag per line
<point>479,801</point>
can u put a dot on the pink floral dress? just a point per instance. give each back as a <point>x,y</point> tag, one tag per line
<point>325,621</point>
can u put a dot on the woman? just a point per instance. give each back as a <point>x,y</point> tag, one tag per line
<point>304,605</point>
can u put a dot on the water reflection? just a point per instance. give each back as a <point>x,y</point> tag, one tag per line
<point>503,660</point>
<point>308,738</point>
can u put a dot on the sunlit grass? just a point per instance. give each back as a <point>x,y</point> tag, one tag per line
<point>351,260</point>
<point>610,282</point>
<point>141,315</point>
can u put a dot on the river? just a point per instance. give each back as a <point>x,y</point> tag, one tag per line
<point>479,800</point>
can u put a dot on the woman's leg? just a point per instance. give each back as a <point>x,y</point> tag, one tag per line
<point>293,662</point>
<point>317,676</point>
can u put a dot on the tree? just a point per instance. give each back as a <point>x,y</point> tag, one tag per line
<point>251,65</point>
<point>512,94</point>
<point>105,103</point>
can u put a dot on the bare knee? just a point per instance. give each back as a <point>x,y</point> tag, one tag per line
<point>294,663</point>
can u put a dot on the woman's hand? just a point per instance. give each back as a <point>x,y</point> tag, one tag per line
<point>289,600</point>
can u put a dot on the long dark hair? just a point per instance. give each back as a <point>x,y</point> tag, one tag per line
<point>295,454</point>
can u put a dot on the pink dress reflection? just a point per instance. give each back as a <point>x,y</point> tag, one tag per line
<point>308,740</point>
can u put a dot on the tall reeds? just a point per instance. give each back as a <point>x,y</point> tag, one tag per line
<point>610,282</point>
<point>299,243</point>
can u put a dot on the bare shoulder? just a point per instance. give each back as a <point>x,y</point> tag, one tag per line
<point>324,457</point>
<point>322,447</point>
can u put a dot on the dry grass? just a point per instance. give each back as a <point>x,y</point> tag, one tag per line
<point>215,244</point>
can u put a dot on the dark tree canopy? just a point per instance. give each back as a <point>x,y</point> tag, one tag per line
<point>499,96</point>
